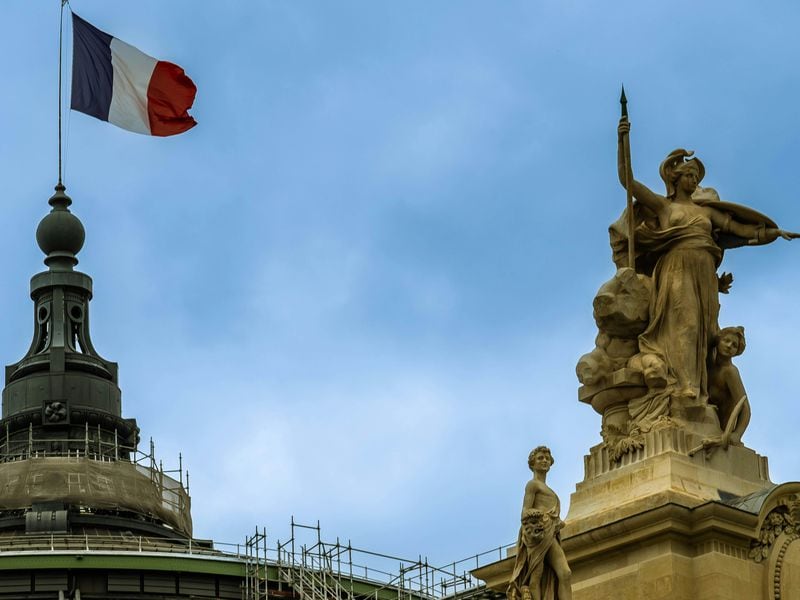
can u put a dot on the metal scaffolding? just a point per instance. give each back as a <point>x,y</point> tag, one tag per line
<point>312,569</point>
<point>256,566</point>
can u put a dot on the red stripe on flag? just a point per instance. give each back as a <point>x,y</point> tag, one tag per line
<point>169,97</point>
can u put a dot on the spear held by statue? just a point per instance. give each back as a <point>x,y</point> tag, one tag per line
<point>626,151</point>
<point>766,229</point>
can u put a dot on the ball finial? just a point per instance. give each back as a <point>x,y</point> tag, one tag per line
<point>60,234</point>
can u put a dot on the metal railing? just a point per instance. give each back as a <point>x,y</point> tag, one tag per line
<point>119,542</point>
<point>329,571</point>
<point>321,571</point>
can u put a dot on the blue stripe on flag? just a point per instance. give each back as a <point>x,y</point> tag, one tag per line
<point>92,74</point>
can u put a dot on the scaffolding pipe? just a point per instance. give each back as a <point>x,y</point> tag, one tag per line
<point>350,561</point>
<point>292,540</point>
<point>338,558</point>
<point>280,581</point>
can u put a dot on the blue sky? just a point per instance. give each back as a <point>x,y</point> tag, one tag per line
<point>357,290</point>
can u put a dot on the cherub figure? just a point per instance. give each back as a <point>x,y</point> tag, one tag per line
<point>726,390</point>
<point>541,571</point>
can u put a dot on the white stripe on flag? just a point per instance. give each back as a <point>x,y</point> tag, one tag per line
<point>132,72</point>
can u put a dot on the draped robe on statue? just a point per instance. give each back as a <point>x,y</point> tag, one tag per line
<point>682,259</point>
<point>685,304</point>
<point>530,555</point>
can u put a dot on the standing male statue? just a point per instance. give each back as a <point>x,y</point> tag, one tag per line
<point>541,571</point>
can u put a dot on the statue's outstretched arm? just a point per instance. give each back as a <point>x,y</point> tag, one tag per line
<point>757,234</point>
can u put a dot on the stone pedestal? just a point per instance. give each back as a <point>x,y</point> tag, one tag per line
<point>662,471</point>
<point>660,524</point>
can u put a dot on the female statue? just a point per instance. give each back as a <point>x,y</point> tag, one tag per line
<point>683,239</point>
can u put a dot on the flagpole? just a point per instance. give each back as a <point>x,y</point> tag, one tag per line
<point>60,69</point>
<point>626,151</point>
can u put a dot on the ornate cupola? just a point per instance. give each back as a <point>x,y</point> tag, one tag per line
<point>68,459</point>
<point>62,396</point>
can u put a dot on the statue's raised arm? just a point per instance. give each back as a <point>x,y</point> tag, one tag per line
<point>654,202</point>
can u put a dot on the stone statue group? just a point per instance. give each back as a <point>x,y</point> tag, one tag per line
<point>661,360</point>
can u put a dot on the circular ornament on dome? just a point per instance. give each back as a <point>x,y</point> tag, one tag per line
<point>60,231</point>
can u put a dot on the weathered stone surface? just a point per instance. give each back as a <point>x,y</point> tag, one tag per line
<point>621,349</point>
<point>593,367</point>
<point>622,303</point>
<point>612,489</point>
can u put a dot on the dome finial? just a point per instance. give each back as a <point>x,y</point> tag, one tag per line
<point>60,234</point>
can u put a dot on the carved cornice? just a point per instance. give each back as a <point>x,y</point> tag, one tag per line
<point>708,521</point>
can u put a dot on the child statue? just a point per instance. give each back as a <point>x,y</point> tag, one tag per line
<point>726,390</point>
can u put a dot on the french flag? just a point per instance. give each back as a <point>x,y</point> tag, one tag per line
<point>115,82</point>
